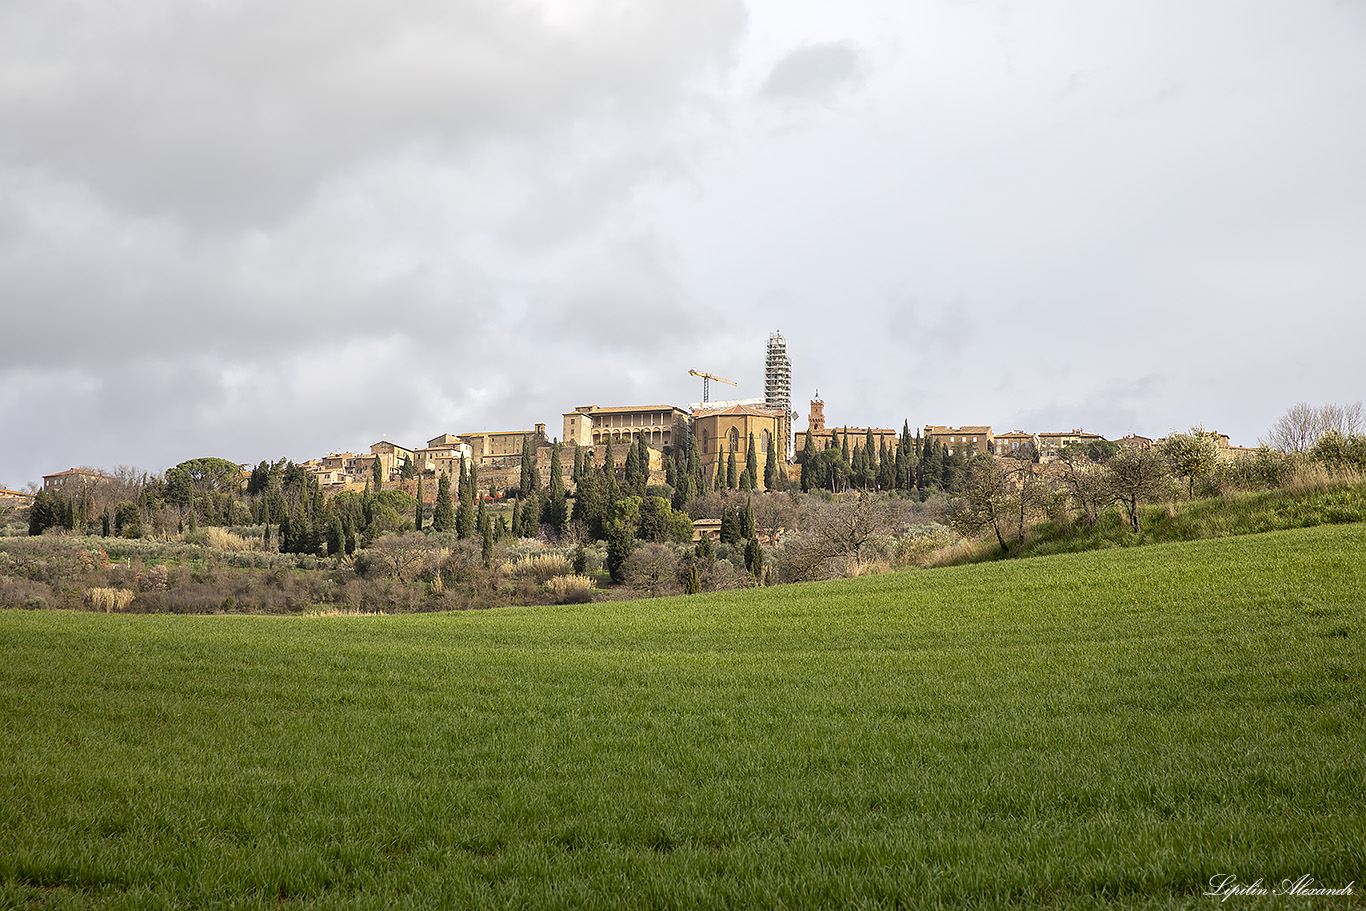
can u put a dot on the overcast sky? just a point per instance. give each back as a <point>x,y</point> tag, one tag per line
<point>259,229</point>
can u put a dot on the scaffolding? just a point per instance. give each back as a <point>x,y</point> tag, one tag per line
<point>778,383</point>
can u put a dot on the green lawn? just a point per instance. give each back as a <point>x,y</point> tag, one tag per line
<point>1073,731</point>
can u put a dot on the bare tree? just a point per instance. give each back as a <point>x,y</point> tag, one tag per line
<point>1084,484</point>
<point>773,514</point>
<point>834,536</point>
<point>404,556</point>
<point>1303,425</point>
<point>1001,495</point>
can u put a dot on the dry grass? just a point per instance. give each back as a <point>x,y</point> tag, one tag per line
<point>108,600</point>
<point>222,539</point>
<point>1315,477</point>
<point>541,567</point>
<point>918,550</point>
<point>570,588</point>
<point>958,552</point>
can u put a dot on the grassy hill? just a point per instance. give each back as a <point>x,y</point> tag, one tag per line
<point>1073,731</point>
<point>1319,499</point>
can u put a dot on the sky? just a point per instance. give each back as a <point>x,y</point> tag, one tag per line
<point>255,230</point>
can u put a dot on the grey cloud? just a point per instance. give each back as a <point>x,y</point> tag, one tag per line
<point>627,301</point>
<point>816,72</point>
<point>231,115</point>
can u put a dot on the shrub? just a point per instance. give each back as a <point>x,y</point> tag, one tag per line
<point>156,579</point>
<point>650,568</point>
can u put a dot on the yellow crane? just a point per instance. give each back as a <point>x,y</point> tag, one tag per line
<point>706,382</point>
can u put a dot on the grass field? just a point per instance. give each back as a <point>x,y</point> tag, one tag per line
<point>1079,731</point>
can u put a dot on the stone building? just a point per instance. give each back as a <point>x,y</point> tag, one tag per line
<point>721,431</point>
<point>660,425</point>
<point>1017,444</point>
<point>492,447</point>
<point>969,440</point>
<point>821,437</point>
<point>1050,444</point>
<point>391,457</point>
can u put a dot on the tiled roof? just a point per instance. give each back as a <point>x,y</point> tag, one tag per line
<point>739,410</point>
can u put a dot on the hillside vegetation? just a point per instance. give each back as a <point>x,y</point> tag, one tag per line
<point>1075,731</point>
<point>1310,501</point>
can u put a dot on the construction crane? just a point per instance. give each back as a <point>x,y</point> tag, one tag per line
<point>706,383</point>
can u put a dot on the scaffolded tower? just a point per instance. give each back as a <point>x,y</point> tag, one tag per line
<point>778,384</point>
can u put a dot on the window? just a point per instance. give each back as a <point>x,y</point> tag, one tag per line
<point>763,441</point>
<point>706,439</point>
<point>734,440</point>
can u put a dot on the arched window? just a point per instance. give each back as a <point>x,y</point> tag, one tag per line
<point>763,441</point>
<point>734,440</point>
<point>706,438</point>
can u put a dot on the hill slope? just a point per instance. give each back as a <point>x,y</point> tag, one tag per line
<point>1072,730</point>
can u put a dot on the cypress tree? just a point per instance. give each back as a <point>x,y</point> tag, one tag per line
<point>643,458</point>
<point>731,478</point>
<point>557,505</point>
<point>517,517</point>
<point>719,482</point>
<point>336,537</point>
<point>754,559</point>
<point>486,532</point>
<point>620,543</point>
<point>751,477</point>
<point>464,513</point>
<point>443,512</point>
<point>378,474</point>
<point>587,507</point>
<point>632,473</point>
<point>809,463</point>
<point>771,467</point>
<point>693,586</point>
<point>417,519</point>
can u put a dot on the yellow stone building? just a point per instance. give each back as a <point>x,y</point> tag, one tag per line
<point>721,431</point>
<point>660,425</point>
<point>821,436</point>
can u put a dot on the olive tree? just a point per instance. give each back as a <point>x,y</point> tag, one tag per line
<point>1135,476</point>
<point>1191,455</point>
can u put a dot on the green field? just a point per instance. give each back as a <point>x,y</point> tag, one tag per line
<point>1080,730</point>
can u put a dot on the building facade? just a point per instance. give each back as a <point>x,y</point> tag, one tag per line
<point>821,437</point>
<point>721,431</point>
<point>969,441</point>
<point>660,425</point>
<point>1017,444</point>
<point>490,447</point>
<point>1050,444</point>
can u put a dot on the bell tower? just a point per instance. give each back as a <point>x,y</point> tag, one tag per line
<point>815,421</point>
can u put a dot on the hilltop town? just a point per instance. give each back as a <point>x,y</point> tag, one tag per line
<point>720,430</point>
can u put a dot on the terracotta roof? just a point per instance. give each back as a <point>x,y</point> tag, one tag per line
<point>75,471</point>
<point>741,409</point>
<point>936,429</point>
<point>620,409</point>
